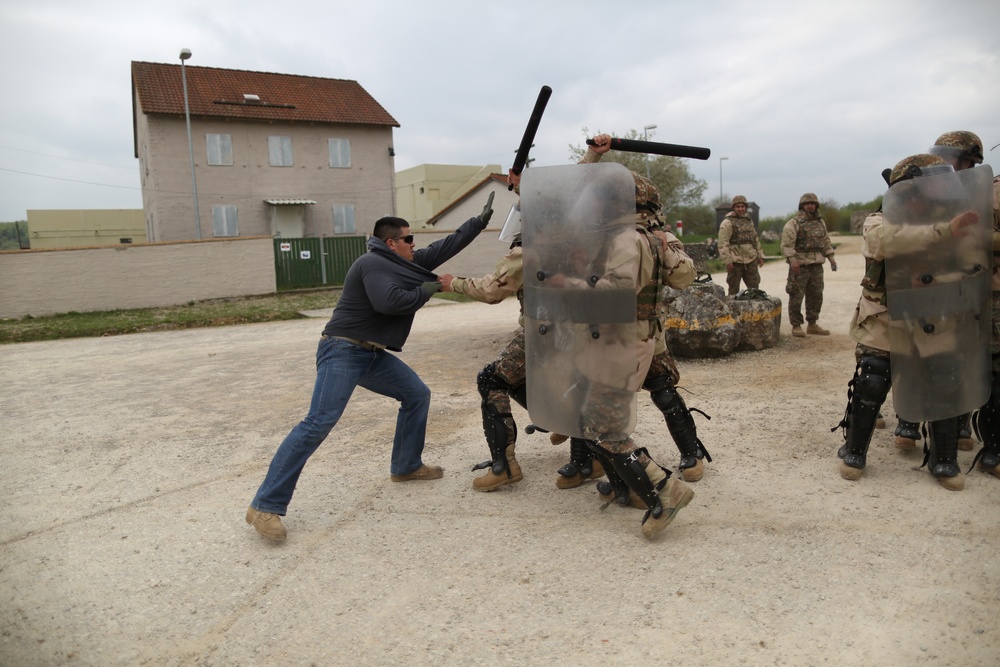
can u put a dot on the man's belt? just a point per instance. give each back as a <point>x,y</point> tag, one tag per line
<point>360,343</point>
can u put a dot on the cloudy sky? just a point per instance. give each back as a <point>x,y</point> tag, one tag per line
<point>799,96</point>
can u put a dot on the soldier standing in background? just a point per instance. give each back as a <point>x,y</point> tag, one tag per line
<point>739,247</point>
<point>805,243</point>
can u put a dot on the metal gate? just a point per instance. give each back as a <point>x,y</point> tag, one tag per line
<point>315,262</point>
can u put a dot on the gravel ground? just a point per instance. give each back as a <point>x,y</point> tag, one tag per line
<point>129,462</point>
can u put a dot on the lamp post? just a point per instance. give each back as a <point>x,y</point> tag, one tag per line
<point>646,129</point>
<point>185,54</point>
<point>720,179</point>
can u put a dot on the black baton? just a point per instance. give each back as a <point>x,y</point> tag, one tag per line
<point>656,148</point>
<point>529,132</point>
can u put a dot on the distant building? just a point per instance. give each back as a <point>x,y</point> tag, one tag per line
<point>470,204</point>
<point>275,154</point>
<point>423,192</point>
<point>82,228</point>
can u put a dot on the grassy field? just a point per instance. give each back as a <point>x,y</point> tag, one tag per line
<point>213,313</point>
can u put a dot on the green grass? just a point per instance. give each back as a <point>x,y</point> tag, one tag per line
<point>211,313</point>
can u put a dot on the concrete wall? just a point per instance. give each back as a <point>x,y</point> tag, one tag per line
<point>54,228</point>
<point>43,282</point>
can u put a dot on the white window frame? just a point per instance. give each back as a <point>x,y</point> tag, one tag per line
<point>340,153</point>
<point>225,221</point>
<point>343,219</point>
<point>279,151</point>
<point>220,149</point>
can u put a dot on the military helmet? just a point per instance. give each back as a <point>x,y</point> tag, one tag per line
<point>738,199</point>
<point>807,198</point>
<point>647,195</point>
<point>959,145</point>
<point>913,166</point>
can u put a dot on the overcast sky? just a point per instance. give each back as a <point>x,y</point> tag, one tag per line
<point>799,96</point>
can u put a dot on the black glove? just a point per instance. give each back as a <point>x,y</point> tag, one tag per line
<point>487,210</point>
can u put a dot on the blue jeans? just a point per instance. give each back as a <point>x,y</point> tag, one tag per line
<point>340,367</point>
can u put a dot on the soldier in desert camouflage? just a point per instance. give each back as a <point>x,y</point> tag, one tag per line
<point>805,243</point>
<point>739,247</point>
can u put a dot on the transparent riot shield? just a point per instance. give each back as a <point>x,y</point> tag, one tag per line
<point>938,292</point>
<point>580,298</point>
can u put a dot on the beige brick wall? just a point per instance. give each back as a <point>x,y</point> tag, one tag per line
<point>43,282</point>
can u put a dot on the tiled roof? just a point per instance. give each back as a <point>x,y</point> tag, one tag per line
<point>282,97</point>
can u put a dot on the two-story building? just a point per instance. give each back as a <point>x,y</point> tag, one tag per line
<point>274,154</point>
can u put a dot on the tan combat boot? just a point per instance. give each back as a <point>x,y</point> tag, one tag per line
<point>848,472</point>
<point>490,481</point>
<point>674,496</point>
<point>597,471</point>
<point>817,330</point>
<point>695,473</point>
<point>954,483</point>
<point>558,438</point>
<point>798,332</point>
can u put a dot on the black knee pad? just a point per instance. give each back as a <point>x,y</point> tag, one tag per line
<point>489,380</point>
<point>873,379</point>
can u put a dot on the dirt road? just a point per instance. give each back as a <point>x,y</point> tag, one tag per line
<point>128,463</point>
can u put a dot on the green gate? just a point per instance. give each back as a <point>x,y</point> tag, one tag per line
<point>315,262</point>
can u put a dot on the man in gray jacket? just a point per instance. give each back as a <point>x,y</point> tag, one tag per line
<point>382,291</point>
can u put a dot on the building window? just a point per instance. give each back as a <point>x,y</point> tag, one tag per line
<point>220,149</point>
<point>225,221</point>
<point>343,219</point>
<point>279,151</point>
<point>340,153</point>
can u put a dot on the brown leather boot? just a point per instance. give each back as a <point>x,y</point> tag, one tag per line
<point>798,332</point>
<point>491,481</point>
<point>267,525</point>
<point>817,330</point>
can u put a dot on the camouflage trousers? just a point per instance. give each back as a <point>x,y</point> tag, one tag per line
<point>606,411</point>
<point>748,273</point>
<point>510,367</point>
<point>809,285</point>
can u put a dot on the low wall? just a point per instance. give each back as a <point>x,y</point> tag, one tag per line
<point>43,282</point>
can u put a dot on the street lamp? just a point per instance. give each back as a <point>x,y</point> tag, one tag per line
<point>185,54</point>
<point>720,179</point>
<point>646,129</point>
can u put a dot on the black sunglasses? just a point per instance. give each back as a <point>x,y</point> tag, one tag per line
<point>405,239</point>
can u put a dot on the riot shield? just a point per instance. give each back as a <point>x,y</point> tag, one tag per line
<point>938,292</point>
<point>580,298</point>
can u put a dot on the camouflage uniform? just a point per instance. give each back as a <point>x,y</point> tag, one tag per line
<point>740,247</point>
<point>869,327</point>
<point>964,150</point>
<point>805,240</point>
<point>505,377</point>
<point>639,258</point>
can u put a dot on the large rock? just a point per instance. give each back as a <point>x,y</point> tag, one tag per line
<point>757,319</point>
<point>699,323</point>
